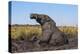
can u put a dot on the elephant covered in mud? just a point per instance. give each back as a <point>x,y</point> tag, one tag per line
<point>50,33</point>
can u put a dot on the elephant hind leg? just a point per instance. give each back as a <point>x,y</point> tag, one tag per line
<point>56,42</point>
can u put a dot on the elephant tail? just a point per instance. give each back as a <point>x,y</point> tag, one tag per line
<point>66,41</point>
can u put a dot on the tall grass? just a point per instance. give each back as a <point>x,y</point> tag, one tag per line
<point>28,31</point>
<point>70,31</point>
<point>25,31</point>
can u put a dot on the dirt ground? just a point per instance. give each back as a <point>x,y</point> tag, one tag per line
<point>28,46</point>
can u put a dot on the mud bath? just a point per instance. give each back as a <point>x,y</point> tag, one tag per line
<point>29,46</point>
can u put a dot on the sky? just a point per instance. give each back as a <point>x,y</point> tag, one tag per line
<point>62,14</point>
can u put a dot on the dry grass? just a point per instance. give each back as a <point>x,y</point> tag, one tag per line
<point>27,31</point>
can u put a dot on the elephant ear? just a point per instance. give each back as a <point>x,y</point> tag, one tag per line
<point>46,18</point>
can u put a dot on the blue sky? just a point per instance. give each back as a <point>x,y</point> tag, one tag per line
<point>62,14</point>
